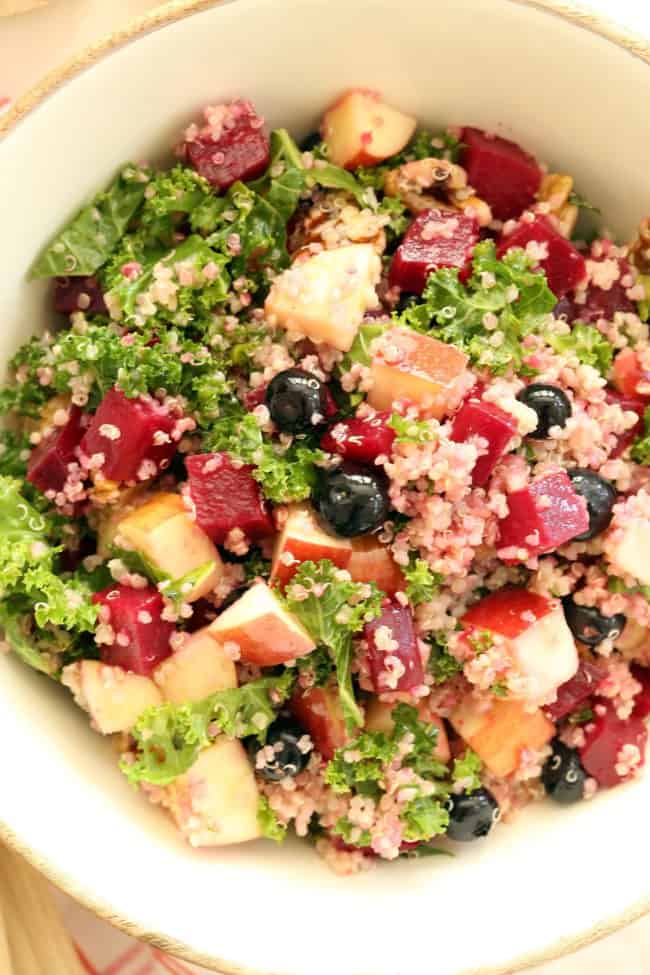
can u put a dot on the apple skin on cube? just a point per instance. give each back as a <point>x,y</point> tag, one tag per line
<point>319,712</point>
<point>371,561</point>
<point>199,668</point>
<point>326,296</point>
<point>361,130</point>
<point>417,369</point>
<point>499,735</point>
<point>538,638</point>
<point>303,540</point>
<point>434,239</point>
<point>261,627</point>
<point>479,418</point>
<point>542,516</point>
<point>628,374</point>
<point>379,718</point>
<point>215,803</point>
<point>113,697</point>
<point>162,531</point>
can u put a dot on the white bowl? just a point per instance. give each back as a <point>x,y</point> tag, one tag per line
<point>557,878</point>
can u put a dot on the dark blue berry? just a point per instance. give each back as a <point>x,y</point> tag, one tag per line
<point>600,496</point>
<point>588,624</point>
<point>471,815</point>
<point>563,776</point>
<point>288,758</point>
<point>551,405</point>
<point>352,499</point>
<point>297,400</point>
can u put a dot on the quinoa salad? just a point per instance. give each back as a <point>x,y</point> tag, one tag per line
<point>326,490</point>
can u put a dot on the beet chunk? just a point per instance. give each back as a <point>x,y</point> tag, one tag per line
<point>564,266</point>
<point>134,436</point>
<point>231,145</point>
<point>543,515</point>
<point>225,495</point>
<point>436,238</point>
<point>47,468</point>
<point>602,754</point>
<point>399,667</point>
<point>576,691</point>
<point>360,438</point>
<point>500,171</point>
<point>141,636</point>
<point>79,294</point>
<point>482,419</point>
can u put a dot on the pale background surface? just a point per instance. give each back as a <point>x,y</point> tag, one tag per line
<point>30,45</point>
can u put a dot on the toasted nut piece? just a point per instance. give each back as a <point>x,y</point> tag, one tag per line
<point>639,253</point>
<point>46,419</point>
<point>479,207</point>
<point>334,221</point>
<point>555,190</point>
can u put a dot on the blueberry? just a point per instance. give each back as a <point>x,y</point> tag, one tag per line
<point>352,499</point>
<point>551,405</point>
<point>600,496</point>
<point>563,776</point>
<point>287,758</point>
<point>310,141</point>
<point>297,400</point>
<point>588,624</point>
<point>471,815</point>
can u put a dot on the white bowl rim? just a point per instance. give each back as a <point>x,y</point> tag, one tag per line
<point>582,19</point>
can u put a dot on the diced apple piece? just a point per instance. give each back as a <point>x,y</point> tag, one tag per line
<point>500,734</point>
<point>361,130</point>
<point>538,638</point>
<point>629,547</point>
<point>301,540</point>
<point>164,534</point>
<point>261,627</point>
<point>319,712</point>
<point>372,561</point>
<point>198,669</point>
<point>379,718</point>
<point>326,296</point>
<point>418,369</point>
<point>113,697</point>
<point>215,803</point>
<point>629,376</point>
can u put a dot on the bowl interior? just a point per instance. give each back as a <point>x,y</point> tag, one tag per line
<point>573,98</point>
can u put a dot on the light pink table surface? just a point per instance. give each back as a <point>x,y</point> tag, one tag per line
<point>30,45</point>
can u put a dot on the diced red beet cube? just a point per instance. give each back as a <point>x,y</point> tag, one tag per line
<point>630,404</point>
<point>393,656</point>
<point>642,700</point>
<point>606,737</point>
<point>507,611</point>
<point>47,468</point>
<point>479,418</point>
<point>564,266</point>
<point>576,691</point>
<point>141,636</point>
<point>360,438</point>
<point>79,294</point>
<point>436,238</point>
<point>543,515</point>
<point>500,171</point>
<point>225,495</point>
<point>604,303</point>
<point>254,397</point>
<point>630,378</point>
<point>233,147</point>
<point>134,436</point>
